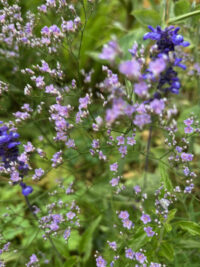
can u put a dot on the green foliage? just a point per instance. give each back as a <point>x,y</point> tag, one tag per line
<point>87,239</point>
<point>177,242</point>
<point>147,17</point>
<point>191,227</point>
<point>181,7</point>
<point>165,177</point>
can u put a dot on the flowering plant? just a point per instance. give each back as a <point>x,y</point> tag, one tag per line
<point>98,145</point>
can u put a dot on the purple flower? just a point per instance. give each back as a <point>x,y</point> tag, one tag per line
<point>70,215</point>
<point>39,81</point>
<point>166,39</point>
<point>67,234</point>
<point>70,143</point>
<point>149,231</point>
<point>123,215</point>
<point>84,101</point>
<point>114,181</point>
<point>15,177</point>
<point>157,105</point>
<point>179,149</point>
<point>109,51</point>
<point>188,130</point>
<point>131,141</point>
<point>38,173</point>
<point>26,189</point>
<point>186,171</point>
<point>33,259</point>
<point>129,253</point>
<point>127,224</point>
<point>145,218</point>
<point>120,140</point>
<point>186,157</point>
<point>130,68</point>
<point>142,119</point>
<point>114,167</point>
<point>140,257</point>
<point>137,189</point>
<point>113,245</point>
<point>123,151</point>
<point>141,89</point>
<point>157,66</point>
<point>68,26</point>
<point>100,262</point>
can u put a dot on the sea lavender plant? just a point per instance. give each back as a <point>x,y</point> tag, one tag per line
<point>76,125</point>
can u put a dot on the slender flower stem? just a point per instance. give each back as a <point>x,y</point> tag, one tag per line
<point>49,238</point>
<point>147,157</point>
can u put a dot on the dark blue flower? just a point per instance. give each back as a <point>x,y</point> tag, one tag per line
<point>26,189</point>
<point>166,40</point>
<point>9,151</point>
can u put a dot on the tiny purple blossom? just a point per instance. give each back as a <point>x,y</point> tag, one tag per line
<point>113,245</point>
<point>186,171</point>
<point>140,257</point>
<point>157,66</point>
<point>15,176</point>
<point>130,68</point>
<point>100,262</point>
<point>145,218</point>
<point>141,89</point>
<point>129,253</point>
<point>33,259</point>
<point>123,215</point>
<point>188,130</point>
<point>67,234</point>
<point>127,224</point>
<point>157,105</point>
<point>188,122</point>
<point>179,149</point>
<point>114,167</point>
<point>149,231</point>
<point>137,189</point>
<point>131,141</point>
<point>186,157</point>
<point>123,151</point>
<point>120,140</point>
<point>109,51</point>
<point>114,182</point>
<point>142,119</point>
<point>70,215</point>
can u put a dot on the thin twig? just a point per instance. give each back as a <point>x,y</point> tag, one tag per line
<point>147,157</point>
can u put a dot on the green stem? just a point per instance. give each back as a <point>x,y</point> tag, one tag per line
<point>48,237</point>
<point>185,16</point>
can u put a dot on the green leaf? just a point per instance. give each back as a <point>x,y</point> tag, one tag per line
<point>139,240</point>
<point>165,178</point>
<point>191,227</point>
<point>147,17</point>
<point>87,238</point>
<point>171,215</point>
<point>181,7</point>
<point>167,251</point>
<point>185,16</point>
<point>189,243</point>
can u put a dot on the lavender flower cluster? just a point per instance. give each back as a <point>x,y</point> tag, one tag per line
<point>105,124</point>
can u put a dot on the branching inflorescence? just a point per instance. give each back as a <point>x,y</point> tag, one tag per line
<point>80,125</point>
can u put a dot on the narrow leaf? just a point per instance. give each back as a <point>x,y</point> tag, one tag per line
<point>185,16</point>
<point>147,17</point>
<point>191,227</point>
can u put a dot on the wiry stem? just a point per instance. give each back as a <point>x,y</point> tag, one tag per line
<point>147,157</point>
<point>49,238</point>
